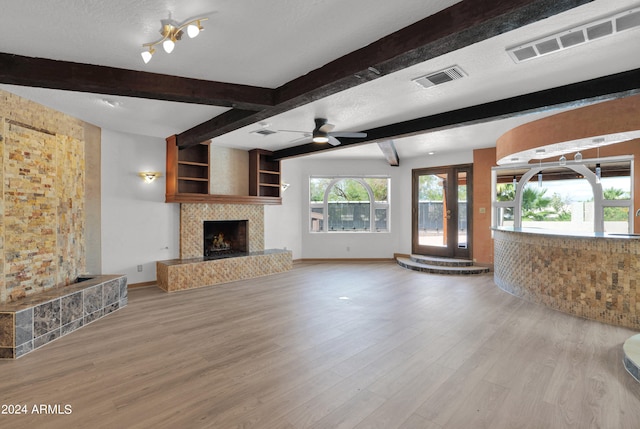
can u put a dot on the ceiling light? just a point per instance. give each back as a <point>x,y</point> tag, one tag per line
<point>172,32</point>
<point>168,45</point>
<point>146,55</point>
<point>194,29</point>
<point>320,139</point>
<point>320,136</point>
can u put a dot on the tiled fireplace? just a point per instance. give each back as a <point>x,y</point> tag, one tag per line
<point>236,226</point>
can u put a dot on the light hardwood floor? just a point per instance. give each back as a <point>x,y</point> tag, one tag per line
<point>331,345</point>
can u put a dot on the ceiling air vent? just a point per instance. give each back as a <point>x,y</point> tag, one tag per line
<point>263,132</point>
<point>442,76</point>
<point>576,36</point>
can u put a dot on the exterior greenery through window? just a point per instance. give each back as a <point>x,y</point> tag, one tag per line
<point>563,200</point>
<point>349,204</point>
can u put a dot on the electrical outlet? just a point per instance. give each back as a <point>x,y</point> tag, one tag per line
<point>139,268</point>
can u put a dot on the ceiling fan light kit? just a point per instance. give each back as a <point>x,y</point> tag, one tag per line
<point>322,133</point>
<point>171,32</point>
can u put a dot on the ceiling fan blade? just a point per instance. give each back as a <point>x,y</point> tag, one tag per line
<point>322,125</point>
<point>326,128</point>
<point>295,131</point>
<point>304,139</point>
<point>347,134</point>
<point>333,141</point>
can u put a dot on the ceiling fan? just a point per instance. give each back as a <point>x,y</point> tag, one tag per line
<point>322,133</point>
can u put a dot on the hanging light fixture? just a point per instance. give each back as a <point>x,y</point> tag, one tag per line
<point>562,160</point>
<point>172,32</point>
<point>577,157</point>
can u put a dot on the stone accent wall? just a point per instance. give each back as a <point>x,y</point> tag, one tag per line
<point>192,217</point>
<point>591,277</point>
<point>41,199</point>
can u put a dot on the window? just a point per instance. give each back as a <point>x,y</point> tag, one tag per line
<point>587,196</point>
<point>349,204</point>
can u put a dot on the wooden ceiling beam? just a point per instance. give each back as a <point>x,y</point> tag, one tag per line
<point>610,87</point>
<point>459,26</point>
<point>53,74</point>
<point>389,151</point>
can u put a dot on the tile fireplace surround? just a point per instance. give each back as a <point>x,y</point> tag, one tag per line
<point>193,271</point>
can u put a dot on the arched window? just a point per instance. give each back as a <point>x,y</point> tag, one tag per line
<point>349,204</point>
<point>586,196</point>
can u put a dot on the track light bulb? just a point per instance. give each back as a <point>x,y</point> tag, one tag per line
<point>146,55</point>
<point>168,45</point>
<point>193,30</point>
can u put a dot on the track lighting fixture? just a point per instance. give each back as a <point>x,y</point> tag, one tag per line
<point>171,32</point>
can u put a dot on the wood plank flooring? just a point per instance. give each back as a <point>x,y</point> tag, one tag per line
<point>330,345</point>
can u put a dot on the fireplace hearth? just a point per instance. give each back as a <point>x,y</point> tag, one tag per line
<point>225,239</point>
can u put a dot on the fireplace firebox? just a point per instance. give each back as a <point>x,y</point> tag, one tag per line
<point>225,238</point>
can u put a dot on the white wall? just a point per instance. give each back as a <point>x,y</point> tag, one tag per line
<point>282,223</point>
<point>138,227</point>
<point>287,225</point>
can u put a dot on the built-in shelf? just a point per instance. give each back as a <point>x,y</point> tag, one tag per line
<point>188,177</point>
<point>264,174</point>
<point>187,169</point>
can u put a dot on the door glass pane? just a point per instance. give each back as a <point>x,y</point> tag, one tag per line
<point>462,210</point>
<point>431,209</point>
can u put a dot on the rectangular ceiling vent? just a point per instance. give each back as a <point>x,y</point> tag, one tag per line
<point>263,132</point>
<point>576,36</point>
<point>440,77</point>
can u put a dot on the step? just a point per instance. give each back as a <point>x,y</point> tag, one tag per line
<point>441,269</point>
<point>440,261</point>
<point>631,359</point>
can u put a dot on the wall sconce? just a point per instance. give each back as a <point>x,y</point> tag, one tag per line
<point>149,176</point>
<point>284,186</point>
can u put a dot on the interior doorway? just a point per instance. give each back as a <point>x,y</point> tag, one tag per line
<point>442,210</point>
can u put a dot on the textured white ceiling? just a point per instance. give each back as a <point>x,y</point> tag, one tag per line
<point>268,43</point>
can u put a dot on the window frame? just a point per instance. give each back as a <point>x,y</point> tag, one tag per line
<point>373,204</point>
<point>600,203</point>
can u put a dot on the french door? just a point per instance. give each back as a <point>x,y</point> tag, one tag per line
<point>441,224</point>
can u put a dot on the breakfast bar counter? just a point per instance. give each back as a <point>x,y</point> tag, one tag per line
<point>592,275</point>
